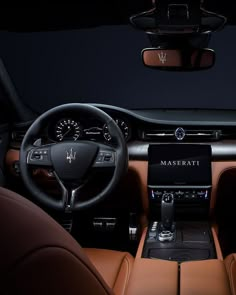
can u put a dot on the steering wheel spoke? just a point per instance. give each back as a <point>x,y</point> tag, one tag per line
<point>70,194</point>
<point>39,156</point>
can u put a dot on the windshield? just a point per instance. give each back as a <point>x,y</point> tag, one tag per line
<point>103,65</point>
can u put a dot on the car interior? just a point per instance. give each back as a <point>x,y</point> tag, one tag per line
<point>118,148</point>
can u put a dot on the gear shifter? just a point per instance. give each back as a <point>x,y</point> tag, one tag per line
<point>166,229</point>
<point>167,211</point>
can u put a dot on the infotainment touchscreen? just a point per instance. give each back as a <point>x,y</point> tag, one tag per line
<point>179,164</point>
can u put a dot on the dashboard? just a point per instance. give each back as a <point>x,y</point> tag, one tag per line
<point>143,127</point>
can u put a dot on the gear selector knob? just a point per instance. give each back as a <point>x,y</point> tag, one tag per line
<point>167,211</point>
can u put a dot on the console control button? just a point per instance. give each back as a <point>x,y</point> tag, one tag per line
<point>180,194</point>
<point>152,233</point>
<point>166,236</point>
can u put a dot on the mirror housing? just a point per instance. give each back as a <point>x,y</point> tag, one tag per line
<point>185,59</point>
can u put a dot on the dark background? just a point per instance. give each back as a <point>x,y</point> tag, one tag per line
<point>103,65</point>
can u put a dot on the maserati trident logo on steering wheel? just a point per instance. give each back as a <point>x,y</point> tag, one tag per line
<point>70,155</point>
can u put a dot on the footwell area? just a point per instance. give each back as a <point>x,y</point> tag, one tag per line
<point>114,238</point>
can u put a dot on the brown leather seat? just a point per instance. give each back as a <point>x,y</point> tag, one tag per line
<point>230,264</point>
<point>39,257</point>
<point>206,277</point>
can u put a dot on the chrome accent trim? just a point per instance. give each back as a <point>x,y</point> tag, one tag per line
<point>166,236</point>
<point>180,186</point>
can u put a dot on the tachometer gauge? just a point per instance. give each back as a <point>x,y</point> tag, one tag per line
<point>123,126</point>
<point>67,129</point>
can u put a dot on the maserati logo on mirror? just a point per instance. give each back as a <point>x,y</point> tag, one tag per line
<point>70,155</point>
<point>162,57</point>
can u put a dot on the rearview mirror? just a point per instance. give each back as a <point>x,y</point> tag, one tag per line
<point>186,59</point>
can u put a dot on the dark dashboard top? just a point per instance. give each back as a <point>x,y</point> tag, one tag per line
<point>179,117</point>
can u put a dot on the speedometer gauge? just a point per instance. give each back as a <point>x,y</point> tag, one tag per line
<point>67,129</point>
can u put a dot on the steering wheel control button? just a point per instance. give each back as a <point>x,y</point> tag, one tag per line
<point>105,158</point>
<point>100,157</point>
<point>108,157</point>
<point>39,157</point>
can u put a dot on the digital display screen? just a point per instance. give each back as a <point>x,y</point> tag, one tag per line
<point>179,164</point>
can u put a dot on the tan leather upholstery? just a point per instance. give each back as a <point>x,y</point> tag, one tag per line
<point>207,277</point>
<point>153,277</point>
<point>115,267</point>
<point>230,264</point>
<point>39,257</point>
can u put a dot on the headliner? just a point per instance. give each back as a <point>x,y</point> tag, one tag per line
<point>89,13</point>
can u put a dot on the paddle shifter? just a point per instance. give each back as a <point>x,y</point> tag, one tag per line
<point>167,228</point>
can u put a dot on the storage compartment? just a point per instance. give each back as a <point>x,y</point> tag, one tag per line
<point>180,254</point>
<point>192,241</point>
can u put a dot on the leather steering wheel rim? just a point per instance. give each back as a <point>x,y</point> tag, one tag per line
<point>121,154</point>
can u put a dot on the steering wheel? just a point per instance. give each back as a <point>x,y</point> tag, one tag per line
<point>72,161</point>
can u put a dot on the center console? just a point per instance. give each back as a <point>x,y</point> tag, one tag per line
<point>179,188</point>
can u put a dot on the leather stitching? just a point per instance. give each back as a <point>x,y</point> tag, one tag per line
<point>231,274</point>
<point>125,259</point>
<point>128,272</point>
<point>118,273</point>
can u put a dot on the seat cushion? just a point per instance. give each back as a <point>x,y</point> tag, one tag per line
<point>114,266</point>
<point>230,264</point>
<point>153,277</point>
<point>206,277</point>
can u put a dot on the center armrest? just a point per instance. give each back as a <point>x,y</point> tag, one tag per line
<point>204,277</point>
<point>153,277</point>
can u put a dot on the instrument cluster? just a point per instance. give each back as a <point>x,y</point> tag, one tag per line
<point>71,129</point>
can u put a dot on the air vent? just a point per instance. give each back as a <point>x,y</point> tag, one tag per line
<point>17,136</point>
<point>229,133</point>
<point>179,134</point>
<point>203,134</point>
